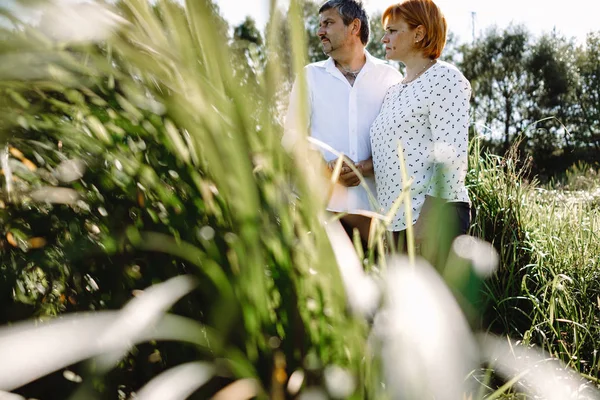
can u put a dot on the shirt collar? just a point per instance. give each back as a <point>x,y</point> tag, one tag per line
<point>331,68</point>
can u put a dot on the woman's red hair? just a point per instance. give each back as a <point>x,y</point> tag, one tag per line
<point>421,12</point>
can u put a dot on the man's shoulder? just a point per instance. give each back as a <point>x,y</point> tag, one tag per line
<point>388,69</point>
<point>377,61</point>
<point>315,70</point>
<point>316,65</point>
<point>384,66</point>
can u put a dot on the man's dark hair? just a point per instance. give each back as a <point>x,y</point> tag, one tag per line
<point>350,10</point>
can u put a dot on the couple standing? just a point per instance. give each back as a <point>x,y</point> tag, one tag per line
<point>364,108</point>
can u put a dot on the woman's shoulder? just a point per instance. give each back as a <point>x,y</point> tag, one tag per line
<point>394,89</point>
<point>447,70</point>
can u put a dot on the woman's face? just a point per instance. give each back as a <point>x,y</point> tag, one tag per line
<point>399,39</point>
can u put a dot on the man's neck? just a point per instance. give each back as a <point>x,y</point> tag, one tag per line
<point>351,60</point>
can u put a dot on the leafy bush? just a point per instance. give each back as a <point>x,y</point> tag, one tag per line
<point>141,158</point>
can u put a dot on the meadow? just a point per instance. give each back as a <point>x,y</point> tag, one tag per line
<point>546,289</point>
<point>158,242</point>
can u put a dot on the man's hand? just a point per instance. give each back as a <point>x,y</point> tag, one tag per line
<point>347,176</point>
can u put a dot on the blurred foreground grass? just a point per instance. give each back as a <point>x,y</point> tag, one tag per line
<point>140,148</point>
<point>141,155</point>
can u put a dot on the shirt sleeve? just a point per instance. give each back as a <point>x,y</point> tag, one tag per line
<point>449,121</point>
<point>297,118</point>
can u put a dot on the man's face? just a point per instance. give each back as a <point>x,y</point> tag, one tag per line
<point>332,31</point>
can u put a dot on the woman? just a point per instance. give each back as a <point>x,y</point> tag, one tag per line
<point>428,114</point>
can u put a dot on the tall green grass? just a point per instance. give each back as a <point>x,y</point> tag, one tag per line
<point>182,158</point>
<point>546,290</point>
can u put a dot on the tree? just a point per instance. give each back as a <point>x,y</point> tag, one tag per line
<point>452,50</point>
<point>310,10</point>
<point>495,66</point>
<point>247,32</point>
<point>588,92</point>
<point>248,48</point>
<point>552,103</point>
<point>279,44</point>
<point>375,47</point>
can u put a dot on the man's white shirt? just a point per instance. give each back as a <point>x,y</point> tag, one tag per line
<point>340,115</point>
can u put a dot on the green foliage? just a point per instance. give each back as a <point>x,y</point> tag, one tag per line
<point>183,174</point>
<point>537,92</point>
<point>548,242</point>
<point>581,176</point>
<point>280,42</point>
<point>375,47</point>
<point>452,49</point>
<point>588,92</point>
<point>248,32</point>
<point>495,66</point>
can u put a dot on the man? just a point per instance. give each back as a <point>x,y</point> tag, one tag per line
<point>345,93</point>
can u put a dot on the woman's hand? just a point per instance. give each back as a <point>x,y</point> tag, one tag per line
<point>365,167</point>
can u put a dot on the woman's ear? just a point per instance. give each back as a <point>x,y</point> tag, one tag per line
<point>419,33</point>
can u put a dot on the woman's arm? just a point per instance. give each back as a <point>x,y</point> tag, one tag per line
<point>449,120</point>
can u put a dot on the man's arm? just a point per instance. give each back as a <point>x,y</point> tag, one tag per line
<point>389,77</point>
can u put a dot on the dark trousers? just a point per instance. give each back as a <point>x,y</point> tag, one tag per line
<point>350,232</point>
<point>455,220</point>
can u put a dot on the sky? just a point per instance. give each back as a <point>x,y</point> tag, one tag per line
<point>574,18</point>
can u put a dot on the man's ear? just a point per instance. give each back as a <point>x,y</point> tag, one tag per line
<point>355,26</point>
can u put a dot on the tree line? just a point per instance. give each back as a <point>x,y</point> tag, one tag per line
<point>542,92</point>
